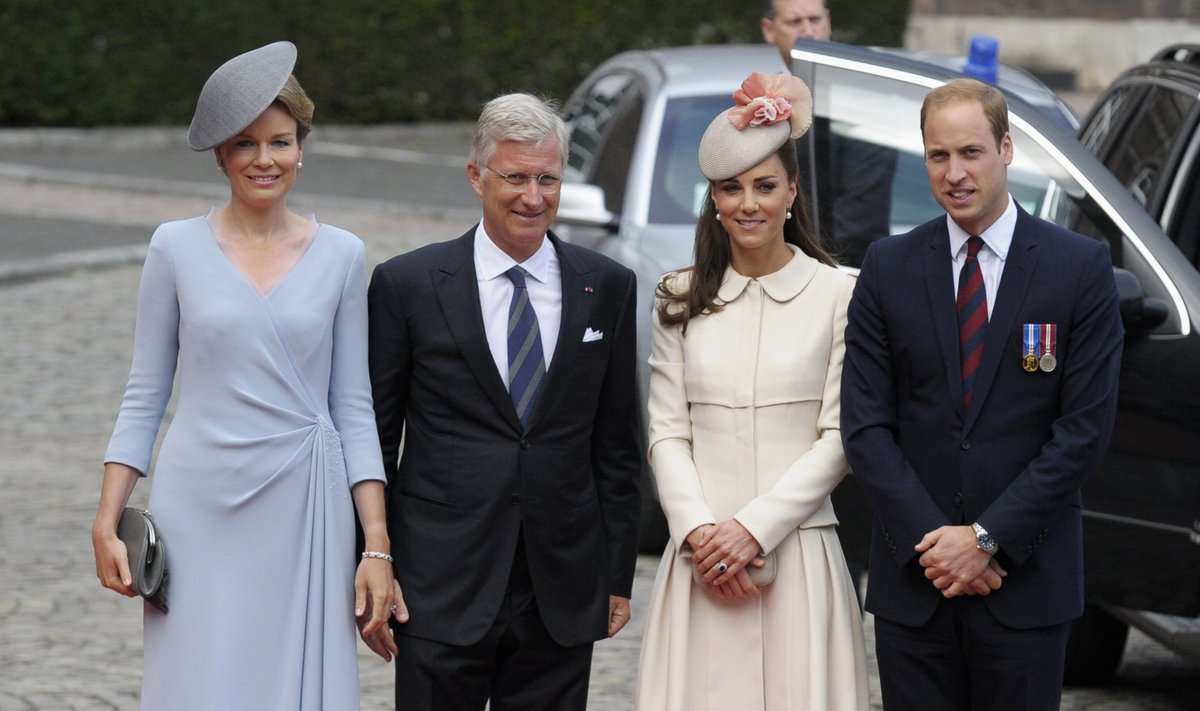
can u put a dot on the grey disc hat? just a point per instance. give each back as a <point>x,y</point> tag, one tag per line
<point>239,92</point>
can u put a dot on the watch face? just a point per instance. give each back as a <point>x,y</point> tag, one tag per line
<point>984,540</point>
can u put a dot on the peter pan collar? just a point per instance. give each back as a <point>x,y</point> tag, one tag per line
<point>783,285</point>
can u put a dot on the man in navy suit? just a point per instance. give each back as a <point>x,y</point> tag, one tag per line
<point>503,371</point>
<point>978,395</point>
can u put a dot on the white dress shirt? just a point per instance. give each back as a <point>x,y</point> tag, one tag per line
<point>543,281</point>
<point>996,240</point>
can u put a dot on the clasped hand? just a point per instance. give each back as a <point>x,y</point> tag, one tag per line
<point>955,565</point>
<point>727,542</point>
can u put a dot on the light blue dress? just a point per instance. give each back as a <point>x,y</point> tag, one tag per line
<point>252,484</point>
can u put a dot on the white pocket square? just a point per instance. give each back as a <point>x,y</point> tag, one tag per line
<point>589,335</point>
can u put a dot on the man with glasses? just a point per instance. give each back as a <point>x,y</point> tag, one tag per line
<point>502,365</point>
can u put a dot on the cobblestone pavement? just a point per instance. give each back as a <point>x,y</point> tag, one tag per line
<point>65,340</point>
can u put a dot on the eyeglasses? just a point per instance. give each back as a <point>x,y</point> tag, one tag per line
<point>547,183</point>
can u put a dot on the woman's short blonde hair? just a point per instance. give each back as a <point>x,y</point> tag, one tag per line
<point>297,103</point>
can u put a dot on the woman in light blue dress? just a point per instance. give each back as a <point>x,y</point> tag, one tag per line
<point>261,313</point>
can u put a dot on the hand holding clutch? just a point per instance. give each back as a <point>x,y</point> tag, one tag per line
<point>147,555</point>
<point>760,576</point>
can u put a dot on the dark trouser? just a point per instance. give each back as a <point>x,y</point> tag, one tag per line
<point>963,659</point>
<point>517,665</point>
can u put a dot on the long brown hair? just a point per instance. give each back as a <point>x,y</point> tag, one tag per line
<point>699,295</point>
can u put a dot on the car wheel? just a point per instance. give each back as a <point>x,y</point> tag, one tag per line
<point>1095,648</point>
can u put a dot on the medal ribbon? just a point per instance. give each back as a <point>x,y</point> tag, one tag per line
<point>1050,338</point>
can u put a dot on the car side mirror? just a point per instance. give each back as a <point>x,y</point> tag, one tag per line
<point>582,204</point>
<point>1138,311</point>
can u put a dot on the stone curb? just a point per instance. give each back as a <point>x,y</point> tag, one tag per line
<point>134,137</point>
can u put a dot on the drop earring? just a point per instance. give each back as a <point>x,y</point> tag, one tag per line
<point>299,164</point>
<point>789,214</point>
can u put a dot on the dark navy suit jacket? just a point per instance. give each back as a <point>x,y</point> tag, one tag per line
<point>468,477</point>
<point>1015,461</point>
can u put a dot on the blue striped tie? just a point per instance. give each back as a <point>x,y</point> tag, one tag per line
<point>526,361</point>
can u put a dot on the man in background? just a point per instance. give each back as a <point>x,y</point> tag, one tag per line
<point>786,20</point>
<point>853,176</point>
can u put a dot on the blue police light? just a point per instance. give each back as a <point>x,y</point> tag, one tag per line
<point>981,59</point>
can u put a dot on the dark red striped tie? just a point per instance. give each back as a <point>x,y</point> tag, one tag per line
<point>972,317</point>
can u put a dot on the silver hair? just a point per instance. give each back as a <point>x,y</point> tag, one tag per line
<point>522,118</point>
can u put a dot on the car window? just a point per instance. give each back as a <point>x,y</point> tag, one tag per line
<point>1181,213</point>
<point>604,128</point>
<point>1108,117</point>
<point>1145,150</point>
<point>678,188</point>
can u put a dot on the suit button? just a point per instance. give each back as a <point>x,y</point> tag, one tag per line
<point>966,444</point>
<point>524,444</point>
<point>958,499</point>
<point>514,499</point>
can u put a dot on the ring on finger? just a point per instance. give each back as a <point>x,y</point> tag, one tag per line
<point>722,567</point>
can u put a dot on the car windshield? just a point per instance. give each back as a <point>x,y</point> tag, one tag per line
<point>678,189</point>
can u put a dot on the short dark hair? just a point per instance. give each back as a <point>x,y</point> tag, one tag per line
<point>770,7</point>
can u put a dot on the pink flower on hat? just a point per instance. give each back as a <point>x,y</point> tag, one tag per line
<point>767,99</point>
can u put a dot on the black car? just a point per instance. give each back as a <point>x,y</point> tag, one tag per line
<point>1142,513</point>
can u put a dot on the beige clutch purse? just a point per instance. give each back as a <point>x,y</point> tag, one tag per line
<point>761,577</point>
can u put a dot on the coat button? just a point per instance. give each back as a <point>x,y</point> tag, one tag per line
<point>958,499</point>
<point>524,444</point>
<point>514,499</point>
<point>966,444</point>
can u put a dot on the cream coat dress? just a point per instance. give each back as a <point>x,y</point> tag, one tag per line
<point>744,412</point>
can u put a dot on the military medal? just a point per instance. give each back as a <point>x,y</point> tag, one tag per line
<point>1030,361</point>
<point>1048,362</point>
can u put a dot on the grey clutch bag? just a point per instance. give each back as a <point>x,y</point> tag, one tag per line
<point>147,555</point>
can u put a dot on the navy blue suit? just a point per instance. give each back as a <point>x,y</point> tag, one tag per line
<point>1016,460</point>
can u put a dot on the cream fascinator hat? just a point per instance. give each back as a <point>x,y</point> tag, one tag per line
<point>770,109</point>
<point>239,92</point>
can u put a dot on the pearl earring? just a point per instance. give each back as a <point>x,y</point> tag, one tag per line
<point>299,164</point>
<point>789,214</point>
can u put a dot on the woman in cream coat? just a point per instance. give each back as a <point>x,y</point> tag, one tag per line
<point>744,390</point>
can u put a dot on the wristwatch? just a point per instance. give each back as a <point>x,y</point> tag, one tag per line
<point>984,540</point>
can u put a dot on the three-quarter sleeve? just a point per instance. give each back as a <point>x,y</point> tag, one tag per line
<point>350,382</point>
<point>155,354</point>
